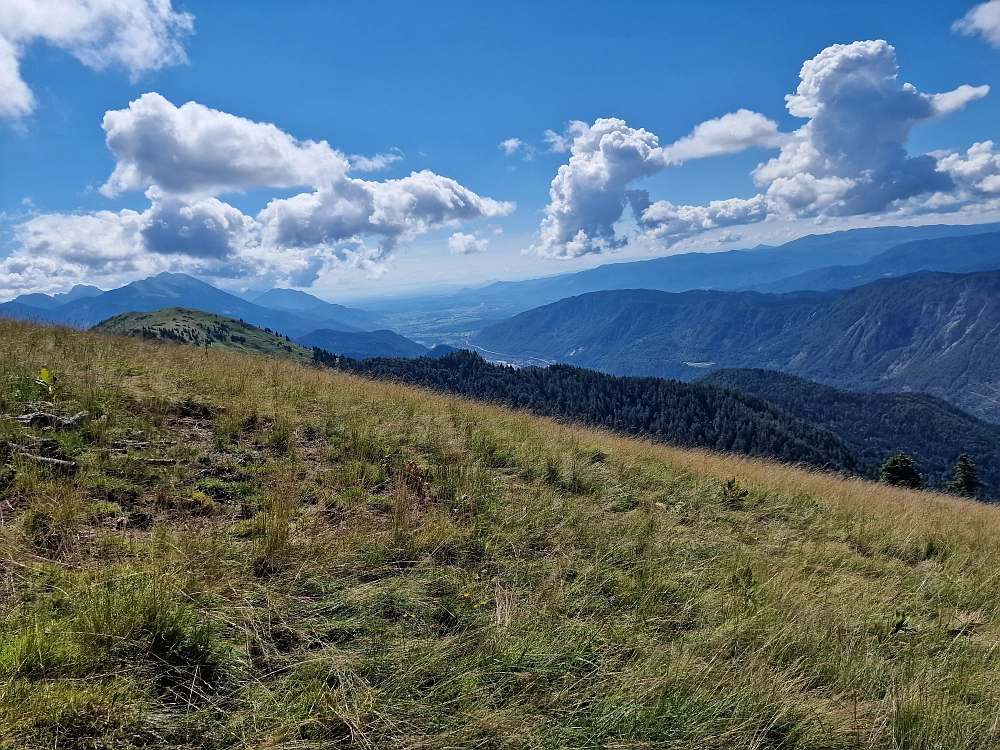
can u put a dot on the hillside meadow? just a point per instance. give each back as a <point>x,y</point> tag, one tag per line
<point>244,552</point>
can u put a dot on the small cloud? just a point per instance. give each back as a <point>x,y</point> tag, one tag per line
<point>495,229</point>
<point>511,146</point>
<point>729,236</point>
<point>514,145</point>
<point>557,144</point>
<point>374,163</point>
<point>984,20</point>
<point>466,244</point>
<point>560,144</point>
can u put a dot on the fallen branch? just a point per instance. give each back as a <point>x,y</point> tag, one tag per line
<point>45,419</point>
<point>55,463</point>
<point>47,446</point>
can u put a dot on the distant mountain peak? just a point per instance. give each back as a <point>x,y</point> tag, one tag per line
<point>288,299</point>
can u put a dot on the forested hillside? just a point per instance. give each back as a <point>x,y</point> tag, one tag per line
<point>932,332</point>
<point>729,411</point>
<point>876,425</point>
<point>680,413</point>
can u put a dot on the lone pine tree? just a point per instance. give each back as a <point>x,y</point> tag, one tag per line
<point>900,471</point>
<point>966,479</point>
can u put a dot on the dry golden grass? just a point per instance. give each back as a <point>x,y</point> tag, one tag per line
<point>335,561</point>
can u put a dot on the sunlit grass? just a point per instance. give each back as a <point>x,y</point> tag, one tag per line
<point>255,553</point>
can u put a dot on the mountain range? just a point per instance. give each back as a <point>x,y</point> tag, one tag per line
<point>932,332</point>
<point>968,254</point>
<point>754,411</point>
<point>89,307</point>
<point>453,317</point>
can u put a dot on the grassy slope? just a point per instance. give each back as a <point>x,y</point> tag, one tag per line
<point>198,327</point>
<point>332,559</point>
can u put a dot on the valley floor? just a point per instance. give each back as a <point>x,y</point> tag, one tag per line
<point>255,553</point>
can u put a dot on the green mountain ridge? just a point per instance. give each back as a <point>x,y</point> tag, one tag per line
<point>196,327</point>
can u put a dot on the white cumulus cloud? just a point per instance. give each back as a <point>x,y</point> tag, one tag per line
<point>137,35</point>
<point>375,163</point>
<point>851,157</point>
<point>729,134</point>
<point>589,194</point>
<point>466,244</point>
<point>984,20</point>
<point>511,146</point>
<point>193,149</point>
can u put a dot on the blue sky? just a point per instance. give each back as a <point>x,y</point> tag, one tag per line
<point>441,85</point>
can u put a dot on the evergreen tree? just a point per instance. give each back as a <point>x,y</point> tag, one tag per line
<point>900,471</point>
<point>966,480</point>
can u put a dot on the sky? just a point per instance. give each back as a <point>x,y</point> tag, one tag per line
<point>382,148</point>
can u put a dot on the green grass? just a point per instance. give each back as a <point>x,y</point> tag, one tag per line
<point>331,561</point>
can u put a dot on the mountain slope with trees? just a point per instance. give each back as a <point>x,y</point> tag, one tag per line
<point>198,328</point>
<point>733,410</point>
<point>877,425</point>
<point>931,332</point>
<point>680,413</point>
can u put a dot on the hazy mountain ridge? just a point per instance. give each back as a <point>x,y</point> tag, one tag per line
<point>932,332</point>
<point>361,345</point>
<point>181,290</point>
<point>313,308</point>
<point>456,314</point>
<point>969,254</point>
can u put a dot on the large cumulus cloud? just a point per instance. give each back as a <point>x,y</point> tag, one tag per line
<point>848,159</point>
<point>137,35</point>
<point>195,149</point>
<point>851,158</point>
<point>186,159</point>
